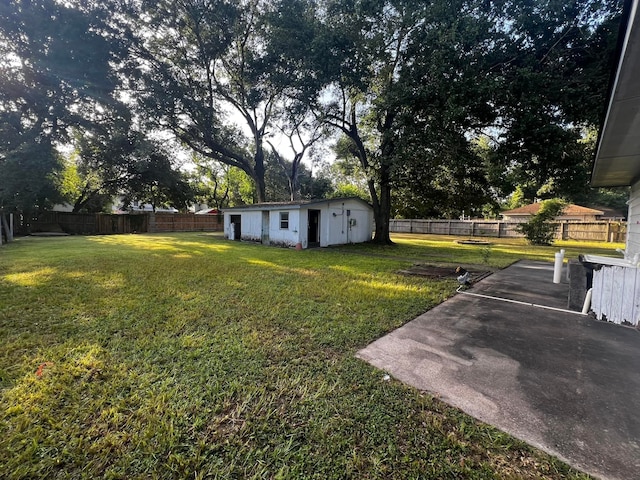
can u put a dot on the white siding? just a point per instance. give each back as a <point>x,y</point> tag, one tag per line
<point>284,237</point>
<point>251,225</point>
<point>361,225</point>
<point>615,294</point>
<point>333,228</point>
<point>303,233</point>
<point>344,222</point>
<point>633,231</point>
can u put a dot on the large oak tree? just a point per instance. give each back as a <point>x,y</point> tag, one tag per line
<point>206,74</point>
<point>55,74</point>
<point>406,82</point>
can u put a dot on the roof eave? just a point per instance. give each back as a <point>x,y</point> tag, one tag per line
<point>617,161</point>
<point>294,205</point>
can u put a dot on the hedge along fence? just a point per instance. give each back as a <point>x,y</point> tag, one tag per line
<point>107,224</point>
<point>587,231</point>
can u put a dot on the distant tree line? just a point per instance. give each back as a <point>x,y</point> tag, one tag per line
<point>429,108</point>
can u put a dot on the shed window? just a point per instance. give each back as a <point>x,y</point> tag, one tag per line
<point>284,220</point>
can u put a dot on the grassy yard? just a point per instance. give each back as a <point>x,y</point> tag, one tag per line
<point>188,356</point>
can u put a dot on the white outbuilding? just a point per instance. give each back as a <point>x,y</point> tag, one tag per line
<point>302,224</point>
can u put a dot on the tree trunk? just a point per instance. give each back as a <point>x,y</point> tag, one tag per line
<point>294,183</point>
<point>382,202</point>
<point>5,228</point>
<point>259,175</point>
<point>81,202</point>
<point>382,210</point>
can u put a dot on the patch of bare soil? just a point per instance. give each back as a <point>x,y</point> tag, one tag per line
<point>441,272</point>
<point>473,242</point>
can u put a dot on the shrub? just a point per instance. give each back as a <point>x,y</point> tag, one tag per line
<point>540,230</point>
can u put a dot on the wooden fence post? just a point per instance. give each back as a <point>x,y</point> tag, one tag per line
<point>152,222</point>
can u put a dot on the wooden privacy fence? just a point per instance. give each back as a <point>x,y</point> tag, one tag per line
<point>178,222</point>
<point>587,231</point>
<point>615,232</point>
<point>106,224</point>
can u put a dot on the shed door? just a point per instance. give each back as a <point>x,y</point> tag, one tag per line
<point>265,227</point>
<point>236,224</point>
<point>314,228</point>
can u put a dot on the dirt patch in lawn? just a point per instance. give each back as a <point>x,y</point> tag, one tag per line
<point>443,272</point>
<point>473,242</point>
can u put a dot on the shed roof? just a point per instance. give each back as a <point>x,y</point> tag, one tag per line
<point>570,209</point>
<point>296,205</point>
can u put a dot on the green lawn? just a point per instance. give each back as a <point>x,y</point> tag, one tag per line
<point>188,356</point>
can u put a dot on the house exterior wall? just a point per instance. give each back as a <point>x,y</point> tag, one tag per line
<point>250,224</point>
<point>516,218</point>
<point>284,237</point>
<point>303,227</point>
<point>633,230</point>
<point>363,228</point>
<point>345,222</point>
<point>333,229</point>
<point>578,218</point>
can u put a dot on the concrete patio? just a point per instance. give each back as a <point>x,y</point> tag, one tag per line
<point>561,381</point>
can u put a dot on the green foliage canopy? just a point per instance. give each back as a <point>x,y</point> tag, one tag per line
<point>55,74</point>
<point>409,85</point>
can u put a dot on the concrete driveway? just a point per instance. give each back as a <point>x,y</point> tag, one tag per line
<point>561,381</point>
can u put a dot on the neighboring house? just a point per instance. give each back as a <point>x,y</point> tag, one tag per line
<point>571,213</point>
<point>62,207</point>
<point>612,214</point>
<point>208,211</point>
<point>616,286</point>
<point>137,206</point>
<point>201,208</point>
<point>301,224</point>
